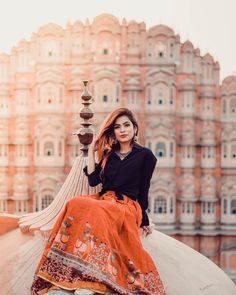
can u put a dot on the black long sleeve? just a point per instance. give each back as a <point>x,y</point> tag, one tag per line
<point>148,167</point>
<point>94,177</point>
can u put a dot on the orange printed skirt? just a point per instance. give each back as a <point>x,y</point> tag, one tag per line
<point>95,244</point>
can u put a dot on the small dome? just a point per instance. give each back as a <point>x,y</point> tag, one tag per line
<point>105,22</point>
<point>104,17</point>
<point>186,46</point>
<point>51,29</point>
<point>208,58</point>
<point>161,30</point>
<point>78,26</point>
<point>229,85</point>
<point>133,26</point>
<point>229,79</point>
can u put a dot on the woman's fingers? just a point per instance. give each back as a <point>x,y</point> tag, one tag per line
<point>145,230</point>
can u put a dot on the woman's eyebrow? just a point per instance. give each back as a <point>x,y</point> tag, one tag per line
<point>122,123</point>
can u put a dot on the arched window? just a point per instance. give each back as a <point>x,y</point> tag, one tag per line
<point>160,150</point>
<point>48,150</point>
<point>188,99</point>
<point>105,46</point>
<point>233,207</point>
<point>224,150</point>
<point>232,105</point>
<point>171,50</point>
<point>149,96</point>
<point>52,48</point>
<point>105,91</point>
<point>171,205</point>
<point>161,93</point>
<point>225,206</point>
<point>171,149</point>
<point>117,93</point>
<point>160,49</point>
<point>172,95</point>
<point>50,95</point>
<point>105,98</point>
<point>60,149</point>
<point>105,51</point>
<point>188,207</point>
<point>224,106</point>
<point>208,152</point>
<point>160,205</point>
<point>208,207</point>
<point>189,151</point>
<point>46,201</point>
<point>233,151</point>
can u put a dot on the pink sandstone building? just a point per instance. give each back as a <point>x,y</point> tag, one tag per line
<point>186,117</point>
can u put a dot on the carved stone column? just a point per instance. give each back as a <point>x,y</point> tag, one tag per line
<point>85,134</point>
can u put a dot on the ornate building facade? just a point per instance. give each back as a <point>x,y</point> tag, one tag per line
<point>186,117</point>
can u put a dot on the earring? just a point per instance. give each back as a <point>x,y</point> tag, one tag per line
<point>135,137</point>
<point>114,141</point>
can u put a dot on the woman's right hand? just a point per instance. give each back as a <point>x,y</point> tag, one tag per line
<point>145,231</point>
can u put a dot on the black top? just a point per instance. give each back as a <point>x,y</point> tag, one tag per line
<point>130,176</point>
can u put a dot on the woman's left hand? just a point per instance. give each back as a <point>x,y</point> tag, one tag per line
<point>145,230</point>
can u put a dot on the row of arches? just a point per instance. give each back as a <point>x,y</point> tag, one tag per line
<point>165,205</point>
<point>159,205</point>
<point>49,148</point>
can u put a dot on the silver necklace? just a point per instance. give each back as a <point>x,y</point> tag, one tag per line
<point>122,155</point>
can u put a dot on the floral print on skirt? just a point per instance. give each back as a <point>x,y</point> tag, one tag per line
<point>95,244</point>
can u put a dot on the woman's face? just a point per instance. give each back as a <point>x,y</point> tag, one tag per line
<point>124,129</point>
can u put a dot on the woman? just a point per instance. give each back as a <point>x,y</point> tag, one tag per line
<point>95,243</point>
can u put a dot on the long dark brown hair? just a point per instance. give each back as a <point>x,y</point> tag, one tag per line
<point>106,138</point>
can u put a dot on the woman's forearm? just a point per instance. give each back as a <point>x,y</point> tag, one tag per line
<point>91,160</point>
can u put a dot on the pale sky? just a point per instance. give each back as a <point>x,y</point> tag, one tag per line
<point>209,24</point>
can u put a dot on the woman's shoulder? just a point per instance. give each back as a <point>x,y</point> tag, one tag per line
<point>144,150</point>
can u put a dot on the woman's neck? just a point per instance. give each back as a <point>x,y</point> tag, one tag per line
<point>125,147</point>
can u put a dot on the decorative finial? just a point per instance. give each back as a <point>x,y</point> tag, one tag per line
<point>85,134</point>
